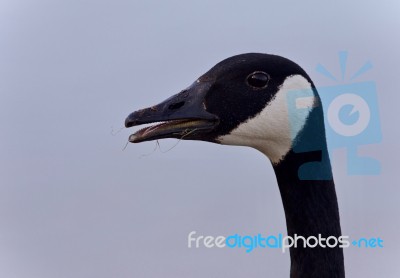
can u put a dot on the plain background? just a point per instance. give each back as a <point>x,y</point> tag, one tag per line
<point>75,203</point>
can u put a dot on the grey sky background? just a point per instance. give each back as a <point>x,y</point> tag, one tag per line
<point>73,203</point>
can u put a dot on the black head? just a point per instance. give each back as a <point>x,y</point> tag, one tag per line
<point>230,104</point>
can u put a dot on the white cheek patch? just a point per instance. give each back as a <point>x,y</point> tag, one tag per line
<point>305,102</point>
<point>273,130</point>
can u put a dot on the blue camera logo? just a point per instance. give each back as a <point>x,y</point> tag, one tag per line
<point>351,120</point>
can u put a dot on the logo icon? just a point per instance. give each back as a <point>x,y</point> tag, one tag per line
<point>351,119</point>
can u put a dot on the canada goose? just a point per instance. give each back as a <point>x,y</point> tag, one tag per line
<point>243,100</point>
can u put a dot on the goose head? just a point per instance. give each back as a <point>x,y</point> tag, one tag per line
<point>242,100</point>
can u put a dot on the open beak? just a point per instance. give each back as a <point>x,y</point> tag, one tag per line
<point>181,116</point>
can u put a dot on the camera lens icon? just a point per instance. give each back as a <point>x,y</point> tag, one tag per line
<point>359,110</point>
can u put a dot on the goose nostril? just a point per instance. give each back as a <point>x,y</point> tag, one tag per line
<point>175,106</point>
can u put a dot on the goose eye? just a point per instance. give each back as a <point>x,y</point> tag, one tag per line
<point>258,80</point>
